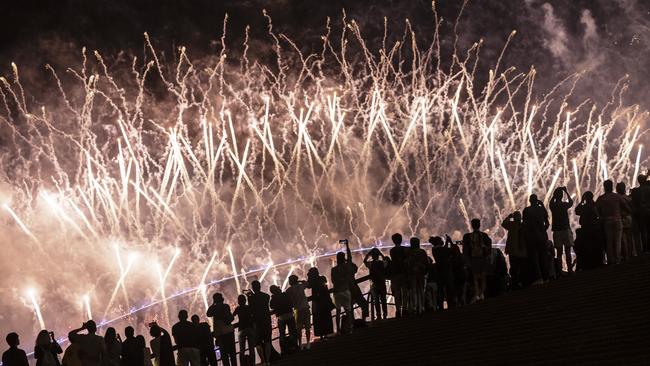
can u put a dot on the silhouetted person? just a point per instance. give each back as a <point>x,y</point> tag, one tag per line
<point>132,350</point>
<point>460,271</point>
<point>322,304</point>
<point>417,269</point>
<point>186,337</point>
<point>223,330</point>
<point>589,243</point>
<point>244,316</point>
<point>516,248</point>
<point>259,303</point>
<point>610,207</point>
<point>92,349</point>
<point>302,313</point>
<point>476,247</point>
<point>562,233</point>
<point>206,344</point>
<point>342,275</point>
<point>627,238</point>
<point>281,305</point>
<point>535,219</point>
<point>495,276</point>
<point>47,349</point>
<point>113,347</point>
<point>14,356</point>
<point>641,205</point>
<point>443,271</point>
<point>71,355</point>
<point>146,352</point>
<point>161,346</point>
<point>398,277</point>
<point>377,271</point>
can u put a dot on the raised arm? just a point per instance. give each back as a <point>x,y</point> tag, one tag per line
<point>570,202</point>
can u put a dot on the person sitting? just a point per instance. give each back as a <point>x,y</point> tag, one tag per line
<point>14,356</point>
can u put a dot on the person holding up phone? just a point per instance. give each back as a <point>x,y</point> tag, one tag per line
<point>342,276</point>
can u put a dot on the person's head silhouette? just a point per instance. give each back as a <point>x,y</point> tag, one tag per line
<point>110,334</point>
<point>293,280</point>
<point>476,224</point>
<point>517,216</point>
<point>91,327</point>
<point>588,196</point>
<point>129,332</point>
<point>533,199</point>
<point>558,193</point>
<point>182,315</point>
<point>374,254</point>
<point>397,239</point>
<point>275,290</point>
<point>436,241</point>
<point>340,258</point>
<point>256,286</point>
<point>196,319</point>
<point>620,188</point>
<point>241,300</point>
<point>217,298</point>
<point>155,331</point>
<point>415,242</point>
<point>12,339</point>
<point>642,178</point>
<point>608,185</point>
<point>43,338</point>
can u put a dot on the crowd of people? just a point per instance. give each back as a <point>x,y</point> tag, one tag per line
<point>612,229</point>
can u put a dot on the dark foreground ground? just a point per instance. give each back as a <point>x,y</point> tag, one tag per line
<point>601,317</point>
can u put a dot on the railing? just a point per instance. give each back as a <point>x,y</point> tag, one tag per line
<point>367,295</point>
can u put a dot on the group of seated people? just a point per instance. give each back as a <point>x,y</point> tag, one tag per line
<point>613,229</point>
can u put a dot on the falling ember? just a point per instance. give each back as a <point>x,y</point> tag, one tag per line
<point>31,293</point>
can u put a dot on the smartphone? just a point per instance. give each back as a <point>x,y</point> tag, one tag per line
<point>343,241</point>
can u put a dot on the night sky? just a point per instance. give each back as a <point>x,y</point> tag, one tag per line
<point>608,38</point>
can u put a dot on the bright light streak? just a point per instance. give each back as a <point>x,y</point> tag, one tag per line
<point>86,302</point>
<point>266,270</point>
<point>234,269</point>
<point>31,293</point>
<point>20,223</point>
<point>286,280</point>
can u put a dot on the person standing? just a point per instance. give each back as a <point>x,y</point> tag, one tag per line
<point>641,205</point>
<point>342,276</point>
<point>535,220</point>
<point>47,349</point>
<point>322,304</point>
<point>562,234</point>
<point>186,338</point>
<point>477,247</point>
<point>398,278</point>
<point>161,346</point>
<point>516,248</point>
<point>443,270</point>
<point>589,238</point>
<point>281,306</point>
<point>610,207</point>
<point>132,350</point>
<point>301,311</point>
<point>377,272</point>
<point>627,238</point>
<point>259,303</point>
<point>223,330</point>
<point>418,263</point>
<point>206,344</point>
<point>92,349</point>
<point>113,347</point>
<point>14,356</point>
<point>244,316</point>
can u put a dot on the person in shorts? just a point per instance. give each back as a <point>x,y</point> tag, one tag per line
<point>562,234</point>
